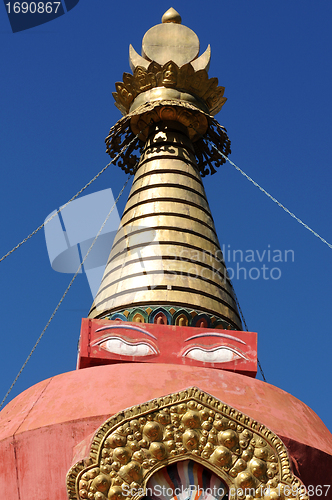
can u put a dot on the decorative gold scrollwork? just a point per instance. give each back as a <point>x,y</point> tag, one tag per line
<point>202,129</point>
<point>132,445</point>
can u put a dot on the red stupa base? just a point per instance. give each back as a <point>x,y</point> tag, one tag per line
<point>40,428</point>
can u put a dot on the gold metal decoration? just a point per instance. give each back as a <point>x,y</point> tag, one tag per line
<point>196,121</point>
<point>135,443</point>
<point>170,60</point>
<point>169,75</point>
<point>169,82</point>
<point>171,16</point>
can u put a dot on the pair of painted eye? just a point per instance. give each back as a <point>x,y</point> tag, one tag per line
<point>220,354</point>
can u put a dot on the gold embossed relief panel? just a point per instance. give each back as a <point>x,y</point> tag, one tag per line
<point>190,425</point>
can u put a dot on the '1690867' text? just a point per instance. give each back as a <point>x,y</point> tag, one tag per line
<point>32,7</point>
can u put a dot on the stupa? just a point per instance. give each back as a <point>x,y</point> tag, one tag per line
<point>164,402</point>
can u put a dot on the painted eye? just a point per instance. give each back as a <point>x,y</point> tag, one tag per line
<point>116,345</point>
<point>215,355</point>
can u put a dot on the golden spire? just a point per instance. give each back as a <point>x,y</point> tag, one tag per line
<point>166,255</point>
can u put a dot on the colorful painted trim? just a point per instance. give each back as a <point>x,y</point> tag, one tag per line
<point>169,315</point>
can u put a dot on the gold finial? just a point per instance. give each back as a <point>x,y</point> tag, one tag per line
<point>169,68</point>
<point>171,16</point>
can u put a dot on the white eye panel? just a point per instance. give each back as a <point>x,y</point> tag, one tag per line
<point>216,355</point>
<point>116,345</point>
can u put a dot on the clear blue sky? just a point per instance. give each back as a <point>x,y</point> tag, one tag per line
<point>274,58</point>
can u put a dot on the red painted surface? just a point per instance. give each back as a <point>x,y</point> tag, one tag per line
<point>167,344</point>
<point>41,427</point>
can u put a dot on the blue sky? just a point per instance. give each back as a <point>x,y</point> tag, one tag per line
<point>57,107</point>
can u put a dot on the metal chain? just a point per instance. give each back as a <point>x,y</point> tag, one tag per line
<point>275,201</point>
<point>65,293</point>
<point>261,369</point>
<point>230,282</point>
<point>270,196</point>
<point>71,199</point>
<point>236,299</point>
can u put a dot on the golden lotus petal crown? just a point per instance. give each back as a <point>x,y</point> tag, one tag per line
<point>170,60</point>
